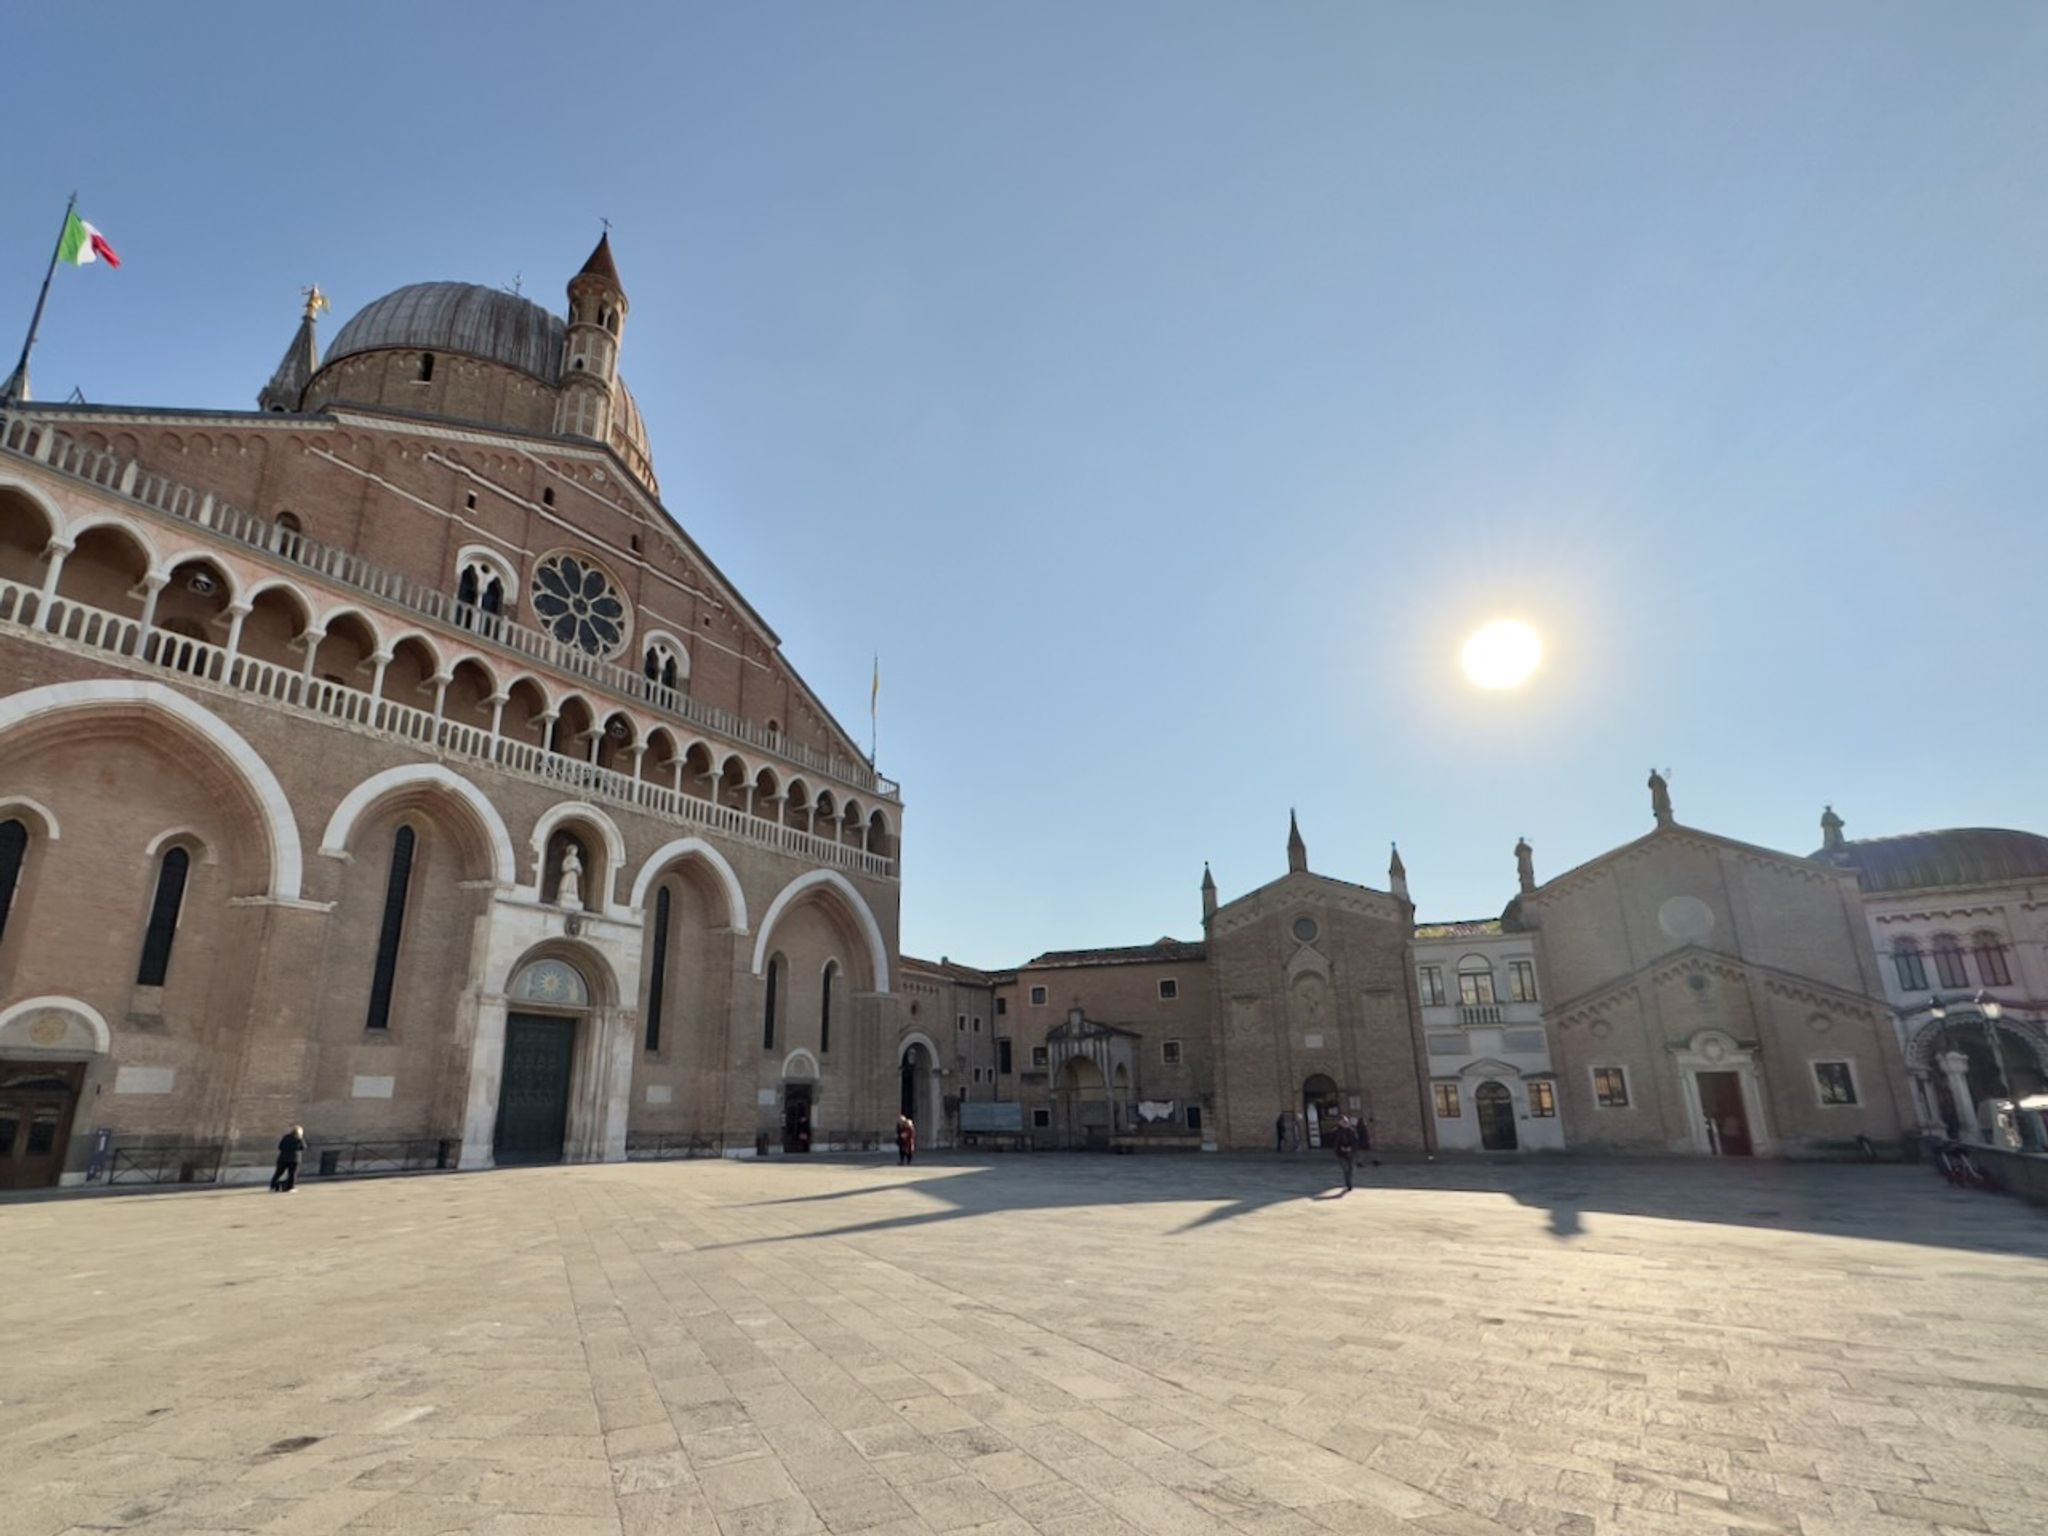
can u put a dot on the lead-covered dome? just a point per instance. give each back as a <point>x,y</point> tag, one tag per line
<point>468,318</point>
<point>1958,856</point>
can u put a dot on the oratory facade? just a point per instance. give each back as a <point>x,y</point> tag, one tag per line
<point>388,760</point>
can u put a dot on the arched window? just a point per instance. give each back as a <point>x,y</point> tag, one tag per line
<point>825,1007</point>
<point>13,854</point>
<point>1912,967</point>
<point>768,1013</point>
<point>391,930</point>
<point>426,367</point>
<point>661,666</point>
<point>479,589</point>
<point>658,977</point>
<point>1949,970</point>
<point>163,917</point>
<point>1475,981</point>
<point>1992,969</point>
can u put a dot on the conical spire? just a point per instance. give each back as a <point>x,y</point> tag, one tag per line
<point>601,264</point>
<point>1397,874</point>
<point>1297,850</point>
<point>287,386</point>
<point>1208,892</point>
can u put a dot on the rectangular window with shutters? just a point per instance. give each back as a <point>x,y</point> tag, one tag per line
<point>1431,980</point>
<point>1002,1006</point>
<point>1041,1118</point>
<point>1610,1087</point>
<point>1038,997</point>
<point>1522,980</point>
<point>1169,1052</point>
<point>1039,1056</point>
<point>1447,1101</point>
<point>1542,1101</point>
<point>1169,989</point>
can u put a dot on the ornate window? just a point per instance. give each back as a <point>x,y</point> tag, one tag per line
<point>391,930</point>
<point>13,853</point>
<point>1610,1087</point>
<point>825,1007</point>
<point>1949,970</point>
<point>1447,1106</point>
<point>1475,982</point>
<point>1835,1082</point>
<point>579,605</point>
<point>555,983</point>
<point>175,865</point>
<point>1992,969</point>
<point>658,977</point>
<point>1542,1100</point>
<point>1911,966</point>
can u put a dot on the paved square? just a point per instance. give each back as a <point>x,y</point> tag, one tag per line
<point>1095,1346</point>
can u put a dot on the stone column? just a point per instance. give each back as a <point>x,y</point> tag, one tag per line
<point>237,614</point>
<point>1955,1066</point>
<point>1923,1100</point>
<point>56,551</point>
<point>498,703</point>
<point>152,584</point>
<point>486,1067</point>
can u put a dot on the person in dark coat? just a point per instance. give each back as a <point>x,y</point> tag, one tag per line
<point>291,1147</point>
<point>906,1140</point>
<point>1346,1144</point>
<point>1280,1131</point>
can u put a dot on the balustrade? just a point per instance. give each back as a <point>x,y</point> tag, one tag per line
<point>32,439</point>
<point>24,612</point>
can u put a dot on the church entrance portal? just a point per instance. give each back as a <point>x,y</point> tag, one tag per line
<point>1319,1109</point>
<point>1495,1106</point>
<point>1727,1118</point>
<point>36,1103</point>
<point>796,1117</point>
<point>533,1099</point>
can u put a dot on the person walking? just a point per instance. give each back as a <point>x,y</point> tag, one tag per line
<point>906,1141</point>
<point>1280,1131</point>
<point>1346,1143</point>
<point>291,1147</point>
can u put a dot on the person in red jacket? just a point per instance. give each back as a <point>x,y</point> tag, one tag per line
<point>906,1140</point>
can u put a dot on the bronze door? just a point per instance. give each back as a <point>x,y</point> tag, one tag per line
<point>1496,1109</point>
<point>36,1104</point>
<point>533,1099</point>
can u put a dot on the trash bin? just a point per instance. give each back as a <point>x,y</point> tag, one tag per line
<point>330,1163</point>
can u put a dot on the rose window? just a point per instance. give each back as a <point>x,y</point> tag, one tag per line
<point>577,604</point>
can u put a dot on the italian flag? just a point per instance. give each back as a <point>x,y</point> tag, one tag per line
<point>82,244</point>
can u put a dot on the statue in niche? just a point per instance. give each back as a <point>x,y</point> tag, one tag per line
<point>570,892</point>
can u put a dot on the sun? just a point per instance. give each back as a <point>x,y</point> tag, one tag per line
<point>1502,654</point>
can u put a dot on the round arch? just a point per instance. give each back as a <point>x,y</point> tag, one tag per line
<point>800,1066</point>
<point>273,807</point>
<point>10,805</point>
<point>136,536</point>
<point>580,810</point>
<point>693,847</point>
<point>325,622</point>
<point>168,566</point>
<point>52,514</point>
<point>878,948</point>
<point>103,1038</point>
<point>334,841</point>
<point>290,589</point>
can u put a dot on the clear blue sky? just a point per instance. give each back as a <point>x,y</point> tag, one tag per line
<point>1164,389</point>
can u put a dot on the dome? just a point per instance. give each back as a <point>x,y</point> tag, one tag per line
<point>1959,856</point>
<point>469,318</point>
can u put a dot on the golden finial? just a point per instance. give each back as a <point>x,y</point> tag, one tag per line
<point>315,301</point>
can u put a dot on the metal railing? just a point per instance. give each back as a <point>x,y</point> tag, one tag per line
<point>199,661</point>
<point>650,1146</point>
<point>366,1159</point>
<point>44,444</point>
<point>171,1164</point>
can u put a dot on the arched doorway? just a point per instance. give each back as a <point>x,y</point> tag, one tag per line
<point>918,1090</point>
<point>1083,1104</point>
<point>549,1002</point>
<point>799,1100</point>
<point>1985,1078</point>
<point>1320,1107</point>
<point>47,1045</point>
<point>1494,1105</point>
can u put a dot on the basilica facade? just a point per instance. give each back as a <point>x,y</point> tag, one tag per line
<point>389,760</point>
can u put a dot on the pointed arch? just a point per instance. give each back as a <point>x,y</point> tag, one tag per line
<point>693,847</point>
<point>334,841</point>
<point>856,904</point>
<point>273,809</point>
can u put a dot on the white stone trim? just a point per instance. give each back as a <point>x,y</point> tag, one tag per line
<point>793,1059</point>
<point>878,948</point>
<point>40,810</point>
<point>190,834</point>
<point>668,853</point>
<point>102,1036</point>
<point>661,637</point>
<point>334,841</point>
<point>287,865</point>
<point>614,844</point>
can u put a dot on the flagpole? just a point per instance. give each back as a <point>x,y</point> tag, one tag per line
<point>874,707</point>
<point>16,383</point>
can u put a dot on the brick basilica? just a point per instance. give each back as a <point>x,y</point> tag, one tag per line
<point>388,760</point>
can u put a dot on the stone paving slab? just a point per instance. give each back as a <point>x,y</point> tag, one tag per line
<point>1096,1346</point>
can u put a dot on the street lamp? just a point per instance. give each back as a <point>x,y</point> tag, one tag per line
<point>1991,1009</point>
